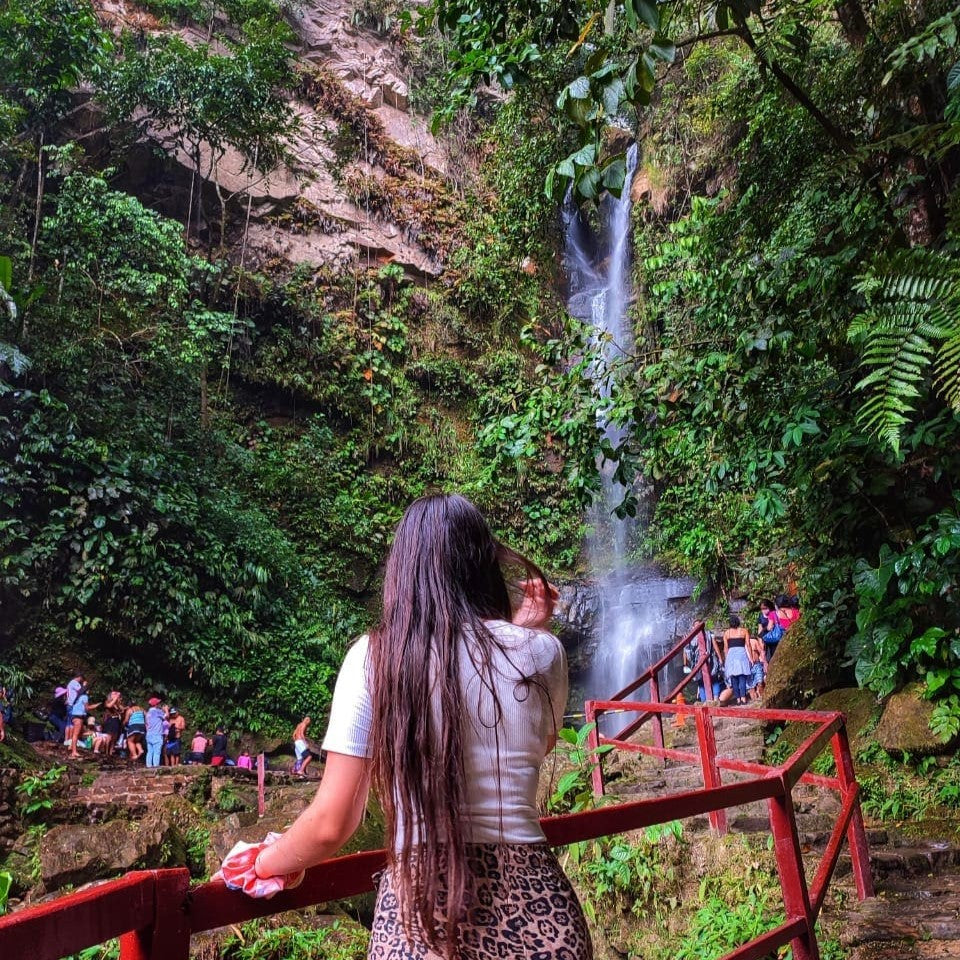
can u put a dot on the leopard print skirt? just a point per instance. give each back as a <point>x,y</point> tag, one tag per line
<point>522,908</point>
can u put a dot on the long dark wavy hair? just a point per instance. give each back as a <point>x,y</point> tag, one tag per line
<point>444,578</point>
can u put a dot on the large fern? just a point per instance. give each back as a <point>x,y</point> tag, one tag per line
<point>910,337</point>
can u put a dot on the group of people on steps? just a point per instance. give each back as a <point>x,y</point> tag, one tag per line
<point>738,660</point>
<point>153,732</point>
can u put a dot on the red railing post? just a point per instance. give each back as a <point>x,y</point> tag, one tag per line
<point>593,739</point>
<point>657,717</point>
<point>856,834</point>
<point>261,784</point>
<point>168,938</point>
<point>796,899</point>
<point>708,762</point>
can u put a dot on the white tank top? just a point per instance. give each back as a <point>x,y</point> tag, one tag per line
<point>515,746</point>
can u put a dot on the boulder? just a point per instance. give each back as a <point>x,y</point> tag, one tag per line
<point>78,853</point>
<point>799,672</point>
<point>22,863</point>
<point>858,706</point>
<point>905,724</point>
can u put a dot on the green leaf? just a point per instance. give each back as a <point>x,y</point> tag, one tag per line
<point>630,81</point>
<point>647,12</point>
<point>663,49</point>
<point>953,77</point>
<point>614,174</point>
<point>548,183</point>
<point>579,88</point>
<point>926,643</point>
<point>647,73</point>
<point>612,96</point>
<point>589,183</point>
<point>6,273</point>
<point>567,782</point>
<point>585,156</point>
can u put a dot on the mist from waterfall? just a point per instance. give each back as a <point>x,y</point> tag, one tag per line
<point>640,607</point>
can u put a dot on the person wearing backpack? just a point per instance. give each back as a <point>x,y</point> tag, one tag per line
<point>691,655</point>
<point>770,628</point>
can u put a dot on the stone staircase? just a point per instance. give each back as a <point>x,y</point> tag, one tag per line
<point>916,912</point>
<point>637,776</point>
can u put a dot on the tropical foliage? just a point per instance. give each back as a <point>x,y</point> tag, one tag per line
<point>793,395</point>
<point>202,464</point>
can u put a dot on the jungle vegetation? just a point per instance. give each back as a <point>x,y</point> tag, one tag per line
<point>794,390</point>
<point>201,463</point>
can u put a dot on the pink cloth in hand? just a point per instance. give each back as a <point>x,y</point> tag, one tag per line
<point>238,873</point>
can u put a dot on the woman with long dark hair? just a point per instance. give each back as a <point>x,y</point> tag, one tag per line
<point>449,708</point>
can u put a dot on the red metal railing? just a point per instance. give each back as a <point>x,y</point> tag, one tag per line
<point>651,676</point>
<point>155,912</point>
<point>774,784</point>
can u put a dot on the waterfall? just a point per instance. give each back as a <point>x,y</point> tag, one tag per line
<point>641,609</point>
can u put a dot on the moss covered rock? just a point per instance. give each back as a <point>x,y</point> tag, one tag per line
<point>858,706</point>
<point>78,853</point>
<point>800,670</point>
<point>905,724</point>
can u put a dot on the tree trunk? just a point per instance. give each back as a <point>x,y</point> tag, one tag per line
<point>853,22</point>
<point>204,400</point>
<point>37,210</point>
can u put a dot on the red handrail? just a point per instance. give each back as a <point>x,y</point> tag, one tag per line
<point>802,904</point>
<point>652,676</point>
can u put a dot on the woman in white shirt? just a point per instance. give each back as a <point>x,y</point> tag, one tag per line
<point>448,708</point>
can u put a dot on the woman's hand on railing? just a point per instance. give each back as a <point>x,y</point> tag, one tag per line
<point>238,870</point>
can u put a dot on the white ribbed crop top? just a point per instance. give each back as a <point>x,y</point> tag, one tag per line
<point>516,746</point>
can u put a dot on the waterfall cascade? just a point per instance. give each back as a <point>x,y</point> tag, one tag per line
<point>642,611</point>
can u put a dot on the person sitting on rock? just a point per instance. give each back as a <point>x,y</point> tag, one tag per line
<point>244,762</point>
<point>57,713</point>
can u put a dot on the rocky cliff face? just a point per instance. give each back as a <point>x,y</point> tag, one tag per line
<point>367,182</point>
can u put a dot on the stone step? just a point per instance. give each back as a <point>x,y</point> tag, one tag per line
<point>907,950</point>
<point>906,915</point>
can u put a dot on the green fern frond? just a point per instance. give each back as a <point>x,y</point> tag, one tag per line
<point>947,375</point>
<point>911,324</point>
